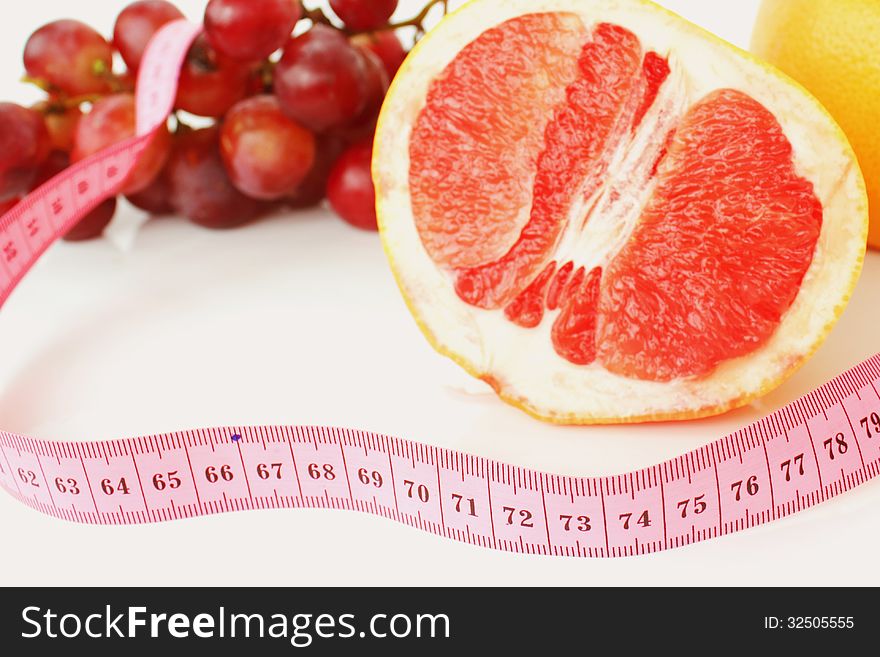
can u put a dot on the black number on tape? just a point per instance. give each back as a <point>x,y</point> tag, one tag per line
<point>582,523</point>
<point>366,477</point>
<point>525,517</point>
<point>265,471</point>
<point>67,486</point>
<point>213,475</point>
<point>470,504</point>
<point>421,491</point>
<point>168,480</point>
<point>785,467</point>
<point>699,505</point>
<point>836,444</point>
<point>644,519</point>
<point>28,477</point>
<point>869,422</point>
<point>752,487</point>
<point>110,488</point>
<point>325,470</point>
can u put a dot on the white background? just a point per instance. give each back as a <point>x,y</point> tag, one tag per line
<point>296,320</point>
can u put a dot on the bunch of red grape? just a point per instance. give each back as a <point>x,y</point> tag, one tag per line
<point>290,119</point>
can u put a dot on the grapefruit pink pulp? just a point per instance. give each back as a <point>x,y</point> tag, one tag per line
<point>609,214</point>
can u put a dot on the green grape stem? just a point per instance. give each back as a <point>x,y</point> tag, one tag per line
<point>317,15</point>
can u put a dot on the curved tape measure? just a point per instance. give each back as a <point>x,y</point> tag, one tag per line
<point>809,451</point>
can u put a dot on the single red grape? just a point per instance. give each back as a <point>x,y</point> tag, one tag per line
<point>321,79</point>
<point>209,83</point>
<point>112,120</point>
<point>313,187</point>
<point>55,163</point>
<point>387,47</point>
<point>200,188</point>
<point>94,223</point>
<point>377,80</point>
<point>362,130</point>
<point>136,25</point>
<point>266,154</point>
<point>24,144</point>
<point>249,30</point>
<point>61,124</point>
<point>350,187</point>
<point>71,56</point>
<point>155,198</point>
<point>364,126</point>
<point>363,15</point>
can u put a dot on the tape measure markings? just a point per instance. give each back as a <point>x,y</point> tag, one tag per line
<point>751,477</point>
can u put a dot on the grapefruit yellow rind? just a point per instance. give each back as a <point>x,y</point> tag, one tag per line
<point>830,46</point>
<point>521,365</point>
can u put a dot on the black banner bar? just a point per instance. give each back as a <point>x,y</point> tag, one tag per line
<point>404,621</point>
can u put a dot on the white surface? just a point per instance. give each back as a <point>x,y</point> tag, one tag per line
<point>296,320</point>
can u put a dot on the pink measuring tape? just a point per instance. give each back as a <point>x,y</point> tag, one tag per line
<point>809,451</point>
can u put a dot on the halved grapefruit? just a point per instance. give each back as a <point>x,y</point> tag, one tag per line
<point>611,215</point>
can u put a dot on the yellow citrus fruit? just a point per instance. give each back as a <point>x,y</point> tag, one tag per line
<point>832,47</point>
<point>609,214</point>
